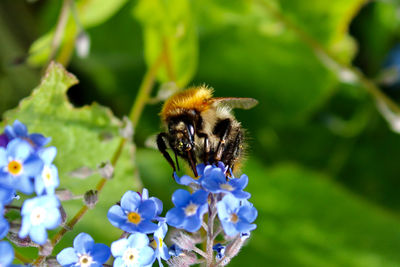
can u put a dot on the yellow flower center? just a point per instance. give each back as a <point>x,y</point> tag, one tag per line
<point>134,217</point>
<point>14,167</point>
<point>191,209</point>
<point>234,218</point>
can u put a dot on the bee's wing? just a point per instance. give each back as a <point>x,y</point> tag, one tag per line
<point>236,102</point>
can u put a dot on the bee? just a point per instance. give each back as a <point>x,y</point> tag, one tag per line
<point>202,128</point>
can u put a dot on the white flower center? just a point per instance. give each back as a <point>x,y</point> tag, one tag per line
<point>38,216</point>
<point>47,176</point>
<point>191,209</point>
<point>131,256</point>
<point>85,260</point>
<point>227,187</point>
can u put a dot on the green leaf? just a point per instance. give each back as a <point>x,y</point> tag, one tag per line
<point>89,12</point>
<point>170,24</point>
<point>249,51</point>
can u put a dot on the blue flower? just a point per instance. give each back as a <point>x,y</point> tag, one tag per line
<point>135,214</point>
<point>215,181</point>
<point>6,195</point>
<point>159,204</point>
<point>133,251</point>
<point>236,215</point>
<point>4,225</point>
<point>19,130</point>
<point>47,180</point>
<point>18,164</point>
<point>85,253</point>
<point>39,214</point>
<point>161,249</point>
<point>6,253</point>
<point>3,140</point>
<point>189,209</point>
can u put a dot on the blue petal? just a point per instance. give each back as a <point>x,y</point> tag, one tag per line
<point>9,131</point>
<point>192,223</point>
<point>47,154</point>
<point>19,149</point>
<point>33,166</point>
<point>231,202</point>
<point>116,215</point>
<point>3,157</point>
<point>200,197</point>
<point>39,185</point>
<point>119,262</point>
<point>146,256</point>
<point>38,234</point>
<point>6,195</point>
<point>118,247</point>
<point>100,253</point>
<point>24,184</point>
<point>6,253</point>
<point>67,256</point>
<point>130,201</point>
<point>175,217</point>
<point>161,231</point>
<point>241,182</point>
<point>159,205</point>
<point>26,225</point>
<point>147,209</point>
<point>229,228</point>
<point>53,218</point>
<point>181,198</point>
<point>39,140</point>
<point>146,227</point>
<point>241,194</point>
<point>138,240</point>
<point>20,129</point>
<point>245,227</point>
<point>223,213</point>
<point>248,214</point>
<point>4,227</point>
<point>83,243</point>
<point>145,193</point>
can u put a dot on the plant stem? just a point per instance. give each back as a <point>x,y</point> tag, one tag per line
<point>59,31</point>
<point>331,59</point>
<point>21,257</point>
<point>210,232</point>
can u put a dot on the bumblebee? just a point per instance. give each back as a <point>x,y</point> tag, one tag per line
<point>202,128</point>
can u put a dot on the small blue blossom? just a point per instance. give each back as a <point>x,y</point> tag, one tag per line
<point>47,180</point>
<point>18,164</point>
<point>174,250</point>
<point>133,251</point>
<point>135,213</point>
<point>6,253</point>
<point>85,253</point>
<point>3,140</point>
<point>189,209</point>
<point>215,181</point>
<point>220,249</point>
<point>39,214</point>
<point>19,130</point>
<point>236,215</point>
<point>161,249</point>
<point>159,204</point>
<point>4,225</point>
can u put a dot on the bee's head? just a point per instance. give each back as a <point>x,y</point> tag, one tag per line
<point>182,136</point>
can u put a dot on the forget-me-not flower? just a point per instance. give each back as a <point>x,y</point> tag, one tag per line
<point>39,214</point>
<point>189,209</point>
<point>236,215</point>
<point>135,214</point>
<point>161,249</point>
<point>19,130</point>
<point>133,251</point>
<point>47,180</point>
<point>85,253</point>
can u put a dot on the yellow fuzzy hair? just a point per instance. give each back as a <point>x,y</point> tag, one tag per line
<point>196,98</point>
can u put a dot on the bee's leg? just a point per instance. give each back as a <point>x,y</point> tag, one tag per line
<point>221,129</point>
<point>236,150</point>
<point>192,162</point>
<point>162,147</point>
<point>206,153</point>
<point>176,160</point>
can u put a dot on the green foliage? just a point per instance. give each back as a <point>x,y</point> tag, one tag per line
<point>170,25</point>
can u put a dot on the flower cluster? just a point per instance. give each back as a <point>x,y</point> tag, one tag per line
<point>26,166</point>
<point>216,192</point>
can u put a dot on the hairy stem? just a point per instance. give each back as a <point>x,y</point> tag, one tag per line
<point>210,232</point>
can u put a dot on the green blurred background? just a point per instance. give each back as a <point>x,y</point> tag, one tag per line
<point>322,162</point>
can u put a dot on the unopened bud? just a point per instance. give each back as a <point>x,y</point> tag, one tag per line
<point>106,170</point>
<point>64,194</point>
<point>183,240</point>
<point>127,128</point>
<point>46,249</point>
<point>90,198</point>
<point>82,44</point>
